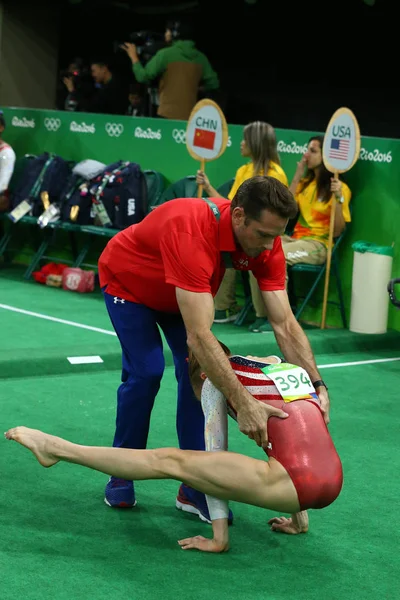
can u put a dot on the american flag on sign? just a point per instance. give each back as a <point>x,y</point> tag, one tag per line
<point>339,149</point>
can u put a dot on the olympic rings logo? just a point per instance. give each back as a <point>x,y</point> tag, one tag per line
<point>52,124</point>
<point>114,129</point>
<point>179,136</point>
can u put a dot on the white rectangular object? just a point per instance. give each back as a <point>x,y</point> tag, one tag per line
<point>369,296</point>
<point>84,360</point>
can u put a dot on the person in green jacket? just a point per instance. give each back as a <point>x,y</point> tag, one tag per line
<point>182,69</point>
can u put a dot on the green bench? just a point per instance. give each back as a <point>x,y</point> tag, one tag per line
<point>48,239</point>
<point>158,193</point>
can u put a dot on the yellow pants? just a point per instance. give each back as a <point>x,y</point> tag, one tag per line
<point>226,295</point>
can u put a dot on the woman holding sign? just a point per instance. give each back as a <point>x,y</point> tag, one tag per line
<point>313,187</point>
<point>303,471</point>
<point>260,145</point>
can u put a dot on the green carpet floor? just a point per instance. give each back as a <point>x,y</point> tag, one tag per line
<point>61,542</point>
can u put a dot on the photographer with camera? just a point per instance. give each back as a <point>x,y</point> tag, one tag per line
<point>182,69</point>
<point>81,77</point>
<point>109,95</point>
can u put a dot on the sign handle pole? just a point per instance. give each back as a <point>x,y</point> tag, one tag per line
<point>202,168</point>
<point>329,258</point>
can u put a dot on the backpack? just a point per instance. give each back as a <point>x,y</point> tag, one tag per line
<point>116,198</point>
<point>75,187</point>
<point>45,173</point>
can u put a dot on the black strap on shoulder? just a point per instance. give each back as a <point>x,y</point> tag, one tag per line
<point>214,208</point>
<point>226,257</point>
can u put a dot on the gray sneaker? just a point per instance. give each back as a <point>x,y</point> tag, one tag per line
<point>226,316</point>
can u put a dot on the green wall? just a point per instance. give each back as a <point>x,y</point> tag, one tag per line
<point>160,145</point>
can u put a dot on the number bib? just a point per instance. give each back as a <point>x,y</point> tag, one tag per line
<point>292,382</point>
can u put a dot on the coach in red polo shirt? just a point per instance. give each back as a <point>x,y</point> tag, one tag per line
<point>165,272</point>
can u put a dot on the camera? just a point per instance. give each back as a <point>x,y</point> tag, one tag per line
<point>83,82</point>
<point>79,74</point>
<point>148,43</point>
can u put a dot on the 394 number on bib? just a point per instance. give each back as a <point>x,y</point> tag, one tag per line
<point>292,382</point>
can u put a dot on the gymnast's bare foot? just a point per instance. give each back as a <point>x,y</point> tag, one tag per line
<point>41,444</point>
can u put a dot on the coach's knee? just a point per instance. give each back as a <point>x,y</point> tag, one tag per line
<point>149,377</point>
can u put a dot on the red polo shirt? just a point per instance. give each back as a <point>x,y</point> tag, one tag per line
<point>181,244</point>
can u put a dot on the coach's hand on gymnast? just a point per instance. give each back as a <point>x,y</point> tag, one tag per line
<point>325,403</point>
<point>252,418</point>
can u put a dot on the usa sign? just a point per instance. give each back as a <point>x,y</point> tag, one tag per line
<point>207,131</point>
<point>341,142</point>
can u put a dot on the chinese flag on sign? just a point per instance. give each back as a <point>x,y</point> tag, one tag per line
<point>204,139</point>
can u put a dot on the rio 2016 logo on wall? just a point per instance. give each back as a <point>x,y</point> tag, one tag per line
<point>376,155</point>
<point>148,134</point>
<point>291,148</point>
<point>23,122</point>
<point>82,127</point>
